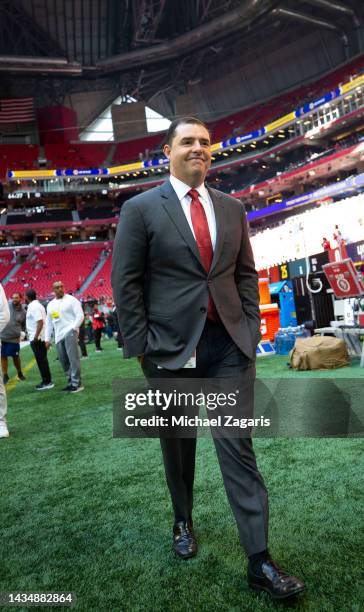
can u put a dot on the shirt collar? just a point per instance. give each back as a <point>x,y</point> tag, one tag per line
<point>182,189</point>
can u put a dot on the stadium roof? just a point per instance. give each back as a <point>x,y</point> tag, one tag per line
<point>149,48</point>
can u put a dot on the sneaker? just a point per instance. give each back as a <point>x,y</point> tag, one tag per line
<point>68,388</point>
<point>98,350</point>
<point>84,356</point>
<point>76,389</point>
<point>21,376</point>
<point>44,386</point>
<point>4,432</point>
<point>5,379</point>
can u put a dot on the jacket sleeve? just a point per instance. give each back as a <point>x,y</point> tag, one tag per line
<point>4,309</point>
<point>246,277</point>
<point>127,278</point>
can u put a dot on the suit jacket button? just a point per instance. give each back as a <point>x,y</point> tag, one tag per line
<point>203,309</point>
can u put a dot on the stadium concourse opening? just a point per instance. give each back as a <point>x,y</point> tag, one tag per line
<point>217,260</point>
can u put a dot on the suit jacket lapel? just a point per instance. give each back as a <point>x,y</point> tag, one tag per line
<point>218,205</point>
<point>173,207</point>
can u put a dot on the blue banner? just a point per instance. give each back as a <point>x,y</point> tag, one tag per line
<point>349,185</point>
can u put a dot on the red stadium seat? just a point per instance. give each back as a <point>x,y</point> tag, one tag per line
<point>77,155</point>
<point>72,265</point>
<point>5,263</point>
<point>101,285</point>
<point>18,157</point>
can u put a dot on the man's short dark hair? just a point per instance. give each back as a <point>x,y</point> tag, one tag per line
<point>31,294</point>
<point>171,132</point>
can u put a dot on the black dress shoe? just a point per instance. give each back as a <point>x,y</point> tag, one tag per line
<point>184,543</point>
<point>274,581</point>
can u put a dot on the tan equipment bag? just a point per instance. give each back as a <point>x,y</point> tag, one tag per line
<point>319,353</point>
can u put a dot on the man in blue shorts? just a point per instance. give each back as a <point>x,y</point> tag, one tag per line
<point>10,337</point>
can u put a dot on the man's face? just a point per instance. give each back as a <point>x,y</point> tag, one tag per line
<point>58,290</point>
<point>16,300</point>
<point>189,153</point>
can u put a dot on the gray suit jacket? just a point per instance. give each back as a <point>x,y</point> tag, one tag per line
<point>161,288</point>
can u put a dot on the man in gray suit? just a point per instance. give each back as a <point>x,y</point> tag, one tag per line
<point>186,292</point>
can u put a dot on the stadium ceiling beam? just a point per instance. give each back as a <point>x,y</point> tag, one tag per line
<point>203,8</point>
<point>322,23</point>
<point>32,65</point>
<point>147,15</point>
<point>187,71</point>
<point>221,27</point>
<point>207,8</point>
<point>118,22</point>
<point>333,6</point>
<point>144,84</point>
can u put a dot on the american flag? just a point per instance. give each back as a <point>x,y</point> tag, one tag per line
<point>18,110</point>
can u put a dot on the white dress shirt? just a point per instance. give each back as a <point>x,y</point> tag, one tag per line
<point>182,190</point>
<point>63,315</point>
<point>35,312</point>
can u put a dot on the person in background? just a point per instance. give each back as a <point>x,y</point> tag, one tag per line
<point>116,326</point>
<point>98,325</point>
<point>64,318</point>
<point>88,326</point>
<point>340,241</point>
<point>109,325</point>
<point>10,338</point>
<point>325,244</point>
<point>4,320</point>
<point>35,324</point>
<point>81,335</point>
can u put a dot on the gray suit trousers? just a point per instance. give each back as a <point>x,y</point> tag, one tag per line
<point>219,357</point>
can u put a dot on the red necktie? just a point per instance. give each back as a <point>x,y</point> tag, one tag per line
<point>203,240</point>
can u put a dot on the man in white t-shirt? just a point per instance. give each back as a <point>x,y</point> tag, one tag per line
<point>64,317</point>
<point>4,320</point>
<point>35,324</point>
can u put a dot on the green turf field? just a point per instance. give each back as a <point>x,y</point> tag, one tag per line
<point>83,512</point>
